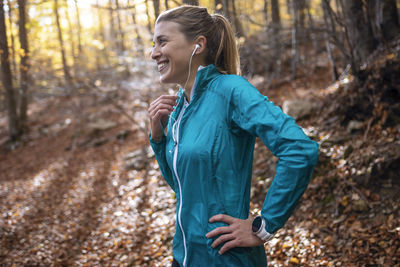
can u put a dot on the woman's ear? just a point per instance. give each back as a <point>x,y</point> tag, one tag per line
<point>201,41</point>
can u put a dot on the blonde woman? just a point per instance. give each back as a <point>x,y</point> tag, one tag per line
<point>204,137</point>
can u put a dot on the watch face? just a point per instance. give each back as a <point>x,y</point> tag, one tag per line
<point>256,224</point>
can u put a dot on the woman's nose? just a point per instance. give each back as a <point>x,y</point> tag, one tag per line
<point>155,53</point>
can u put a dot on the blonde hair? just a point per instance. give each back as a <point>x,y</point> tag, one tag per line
<point>195,21</point>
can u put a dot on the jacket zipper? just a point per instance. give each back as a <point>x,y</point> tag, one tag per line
<point>176,139</point>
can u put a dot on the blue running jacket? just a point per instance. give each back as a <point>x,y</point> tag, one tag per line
<point>207,156</point>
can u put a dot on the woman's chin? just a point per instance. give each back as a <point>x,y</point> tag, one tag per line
<point>166,80</point>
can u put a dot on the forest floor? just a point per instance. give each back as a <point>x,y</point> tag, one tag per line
<point>84,189</point>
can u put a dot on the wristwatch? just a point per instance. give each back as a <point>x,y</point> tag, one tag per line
<point>258,228</point>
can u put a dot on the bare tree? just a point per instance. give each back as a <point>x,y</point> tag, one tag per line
<point>13,125</point>
<point>121,34</point>
<point>329,29</point>
<point>156,6</point>
<point>276,29</point>
<point>24,66</point>
<point>149,23</point>
<point>67,75</point>
<point>103,38</point>
<point>236,21</point>
<point>10,22</point>
<point>295,52</point>
<point>384,19</point>
<point>265,10</point>
<point>78,21</point>
<point>360,37</point>
<point>138,35</point>
<point>72,35</point>
<point>112,31</point>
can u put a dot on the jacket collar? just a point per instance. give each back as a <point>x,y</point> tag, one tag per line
<point>204,76</point>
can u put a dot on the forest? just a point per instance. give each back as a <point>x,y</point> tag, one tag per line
<point>79,183</point>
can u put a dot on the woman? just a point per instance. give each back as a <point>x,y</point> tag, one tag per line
<point>204,137</point>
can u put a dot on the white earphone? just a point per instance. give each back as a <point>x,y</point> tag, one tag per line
<point>197,46</point>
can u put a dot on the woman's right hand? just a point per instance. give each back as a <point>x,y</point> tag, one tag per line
<point>159,111</point>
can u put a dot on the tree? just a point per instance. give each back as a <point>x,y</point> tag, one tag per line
<point>14,130</point>
<point>156,5</point>
<point>384,19</point>
<point>24,66</point>
<point>359,32</point>
<point>10,22</point>
<point>138,35</point>
<point>235,19</point>
<point>149,23</point>
<point>276,28</point>
<point>67,75</point>
<point>295,32</point>
<point>78,20</point>
<point>329,29</point>
<point>121,35</point>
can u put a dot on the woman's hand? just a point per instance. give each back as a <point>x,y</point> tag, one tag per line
<point>237,234</point>
<point>159,111</point>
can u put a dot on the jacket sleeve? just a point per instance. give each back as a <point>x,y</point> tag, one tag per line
<point>254,113</point>
<point>159,152</point>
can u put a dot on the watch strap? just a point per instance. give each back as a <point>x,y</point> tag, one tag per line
<point>262,233</point>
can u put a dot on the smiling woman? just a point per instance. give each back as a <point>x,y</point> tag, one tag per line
<point>206,154</point>
<point>203,139</point>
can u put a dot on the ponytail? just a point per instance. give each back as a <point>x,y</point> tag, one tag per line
<point>195,21</point>
<point>226,58</point>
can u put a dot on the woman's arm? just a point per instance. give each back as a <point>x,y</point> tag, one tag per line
<point>159,111</point>
<point>254,113</point>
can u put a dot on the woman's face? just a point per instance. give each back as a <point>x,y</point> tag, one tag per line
<point>171,52</point>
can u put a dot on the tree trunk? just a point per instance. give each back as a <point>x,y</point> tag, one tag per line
<point>238,24</point>
<point>276,29</point>
<point>359,30</point>
<point>78,21</point>
<point>113,36</point>
<point>102,34</point>
<point>390,20</point>
<point>6,76</point>
<point>384,19</point>
<point>325,4</point>
<point>138,35</point>
<point>13,54</point>
<point>72,35</point>
<point>149,23</point>
<point>276,17</point>
<point>226,10</point>
<point>295,54</point>
<point>313,36</point>
<point>24,66</point>
<point>166,4</point>
<point>67,75</point>
<point>265,10</point>
<point>156,5</point>
<point>191,2</point>
<point>121,35</point>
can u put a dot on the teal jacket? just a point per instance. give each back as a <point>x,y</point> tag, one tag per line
<point>207,156</point>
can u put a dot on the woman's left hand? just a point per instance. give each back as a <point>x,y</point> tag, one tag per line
<point>237,234</point>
